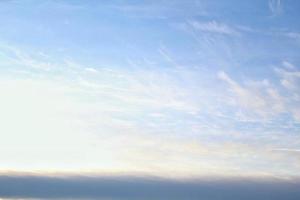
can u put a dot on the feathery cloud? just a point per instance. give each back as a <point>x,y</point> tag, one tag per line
<point>275,7</point>
<point>213,27</point>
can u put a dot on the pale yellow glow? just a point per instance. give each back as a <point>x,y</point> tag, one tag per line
<point>46,127</point>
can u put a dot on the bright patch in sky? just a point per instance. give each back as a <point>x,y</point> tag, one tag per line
<point>167,88</point>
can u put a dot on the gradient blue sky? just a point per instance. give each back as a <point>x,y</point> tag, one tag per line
<point>168,88</point>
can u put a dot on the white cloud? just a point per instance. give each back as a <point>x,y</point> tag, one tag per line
<point>53,129</point>
<point>213,27</point>
<point>290,80</point>
<point>275,7</point>
<point>85,121</point>
<point>18,57</point>
<point>266,100</point>
<point>288,65</point>
<point>90,69</point>
<point>256,97</point>
<point>161,10</point>
<point>288,150</point>
<point>163,51</point>
<point>293,35</point>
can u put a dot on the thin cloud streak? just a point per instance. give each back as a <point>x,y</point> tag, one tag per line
<point>289,150</point>
<point>275,7</point>
<point>213,27</point>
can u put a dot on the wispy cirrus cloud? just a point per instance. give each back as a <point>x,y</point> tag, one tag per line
<point>163,10</point>
<point>18,57</point>
<point>275,7</point>
<point>256,97</point>
<point>293,35</point>
<point>288,150</point>
<point>289,76</point>
<point>143,111</point>
<point>213,27</point>
<point>263,98</point>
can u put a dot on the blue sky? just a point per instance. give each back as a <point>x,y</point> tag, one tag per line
<point>166,88</point>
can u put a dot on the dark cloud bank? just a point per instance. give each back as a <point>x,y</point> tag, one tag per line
<point>128,187</point>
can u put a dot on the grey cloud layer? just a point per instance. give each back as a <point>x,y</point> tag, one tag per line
<point>126,187</point>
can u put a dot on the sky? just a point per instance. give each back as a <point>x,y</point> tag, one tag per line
<point>174,89</point>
